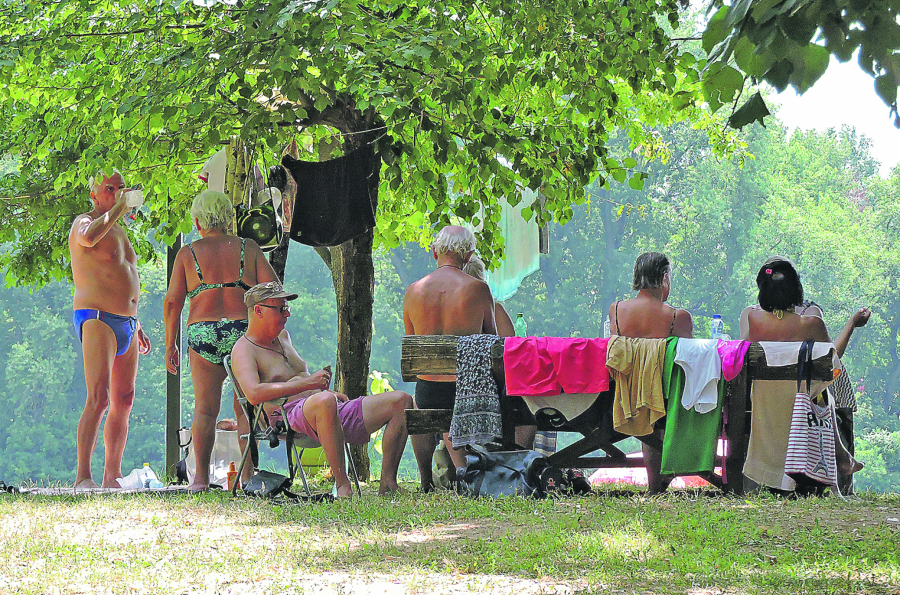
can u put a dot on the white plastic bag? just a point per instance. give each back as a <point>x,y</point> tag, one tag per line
<point>226,450</point>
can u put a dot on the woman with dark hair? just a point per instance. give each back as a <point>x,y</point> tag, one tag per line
<point>647,315</point>
<point>777,317</point>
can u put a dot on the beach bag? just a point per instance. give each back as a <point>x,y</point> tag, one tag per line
<point>810,454</point>
<point>274,486</point>
<point>508,473</point>
<point>267,484</point>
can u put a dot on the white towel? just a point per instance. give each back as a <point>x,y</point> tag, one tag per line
<point>699,358</point>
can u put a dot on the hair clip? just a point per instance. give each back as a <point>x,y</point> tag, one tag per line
<point>768,271</point>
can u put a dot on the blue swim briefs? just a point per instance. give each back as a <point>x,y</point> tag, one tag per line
<point>122,326</point>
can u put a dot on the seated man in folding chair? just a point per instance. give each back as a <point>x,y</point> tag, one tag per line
<point>267,367</point>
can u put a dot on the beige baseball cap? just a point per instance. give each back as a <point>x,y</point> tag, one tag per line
<point>266,291</point>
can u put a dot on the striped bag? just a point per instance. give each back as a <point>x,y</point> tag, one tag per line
<point>810,454</point>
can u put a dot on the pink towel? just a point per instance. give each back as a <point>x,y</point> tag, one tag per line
<point>547,366</point>
<point>732,354</point>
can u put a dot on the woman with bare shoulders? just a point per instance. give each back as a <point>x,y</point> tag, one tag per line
<point>776,318</point>
<point>522,419</point>
<point>219,268</point>
<point>647,316</point>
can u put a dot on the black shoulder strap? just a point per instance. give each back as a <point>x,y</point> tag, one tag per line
<point>804,365</point>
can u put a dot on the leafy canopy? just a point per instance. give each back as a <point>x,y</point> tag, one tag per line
<point>465,102</point>
<point>790,42</point>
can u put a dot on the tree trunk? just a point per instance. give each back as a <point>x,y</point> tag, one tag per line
<point>353,274</point>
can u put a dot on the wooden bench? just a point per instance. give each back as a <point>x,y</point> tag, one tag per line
<point>436,354</point>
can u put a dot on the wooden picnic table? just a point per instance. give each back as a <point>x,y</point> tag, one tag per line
<point>436,354</point>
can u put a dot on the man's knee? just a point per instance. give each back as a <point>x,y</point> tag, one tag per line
<point>323,403</point>
<point>401,401</point>
<point>124,400</point>
<point>98,394</point>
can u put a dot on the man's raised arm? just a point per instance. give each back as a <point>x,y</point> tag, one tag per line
<point>89,231</point>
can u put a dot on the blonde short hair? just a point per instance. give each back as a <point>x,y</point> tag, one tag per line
<point>475,267</point>
<point>212,210</point>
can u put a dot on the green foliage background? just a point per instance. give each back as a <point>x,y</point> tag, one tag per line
<point>815,197</point>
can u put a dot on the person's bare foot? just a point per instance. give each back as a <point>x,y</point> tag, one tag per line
<point>344,490</point>
<point>86,484</point>
<point>198,488</point>
<point>390,489</point>
<point>111,483</point>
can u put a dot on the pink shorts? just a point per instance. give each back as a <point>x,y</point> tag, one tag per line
<point>350,414</point>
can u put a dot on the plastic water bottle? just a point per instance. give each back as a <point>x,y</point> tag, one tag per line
<point>716,326</point>
<point>520,326</point>
<point>606,327</point>
<point>147,476</point>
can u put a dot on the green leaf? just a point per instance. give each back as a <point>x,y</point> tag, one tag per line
<point>886,87</point>
<point>720,84</point>
<point>809,66</point>
<point>716,30</point>
<point>753,110</point>
<point>637,181</point>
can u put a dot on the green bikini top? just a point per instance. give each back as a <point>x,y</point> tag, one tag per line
<point>204,286</point>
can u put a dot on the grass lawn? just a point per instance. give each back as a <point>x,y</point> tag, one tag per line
<point>683,542</point>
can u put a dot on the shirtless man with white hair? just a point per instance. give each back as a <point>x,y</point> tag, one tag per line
<point>445,302</point>
<point>107,289</point>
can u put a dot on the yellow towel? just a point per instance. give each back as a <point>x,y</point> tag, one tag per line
<point>636,366</point>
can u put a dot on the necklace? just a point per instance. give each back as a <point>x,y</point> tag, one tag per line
<point>281,353</point>
<point>449,265</point>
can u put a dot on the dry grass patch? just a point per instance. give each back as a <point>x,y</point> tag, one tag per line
<point>679,543</point>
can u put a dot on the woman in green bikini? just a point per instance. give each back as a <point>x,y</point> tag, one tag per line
<point>218,268</point>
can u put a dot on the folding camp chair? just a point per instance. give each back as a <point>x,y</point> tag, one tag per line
<point>261,430</point>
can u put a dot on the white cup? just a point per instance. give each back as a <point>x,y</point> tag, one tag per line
<point>134,198</point>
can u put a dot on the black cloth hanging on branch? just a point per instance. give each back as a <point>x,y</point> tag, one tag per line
<point>334,202</point>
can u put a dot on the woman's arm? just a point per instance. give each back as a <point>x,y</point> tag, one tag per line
<point>859,318</point>
<point>172,307</point>
<point>684,325</point>
<point>264,270</point>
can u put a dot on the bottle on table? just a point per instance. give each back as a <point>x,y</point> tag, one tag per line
<point>520,327</point>
<point>716,326</point>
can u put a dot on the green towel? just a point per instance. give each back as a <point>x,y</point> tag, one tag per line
<point>689,445</point>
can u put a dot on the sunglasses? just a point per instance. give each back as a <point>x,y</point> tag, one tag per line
<point>285,309</point>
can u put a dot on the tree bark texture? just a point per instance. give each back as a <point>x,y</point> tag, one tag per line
<point>353,274</point>
<point>352,269</point>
